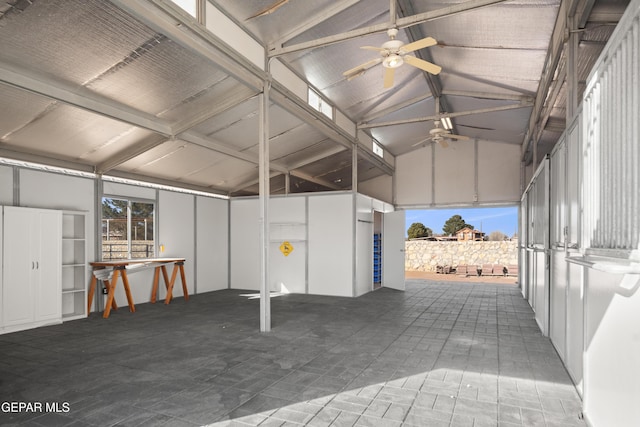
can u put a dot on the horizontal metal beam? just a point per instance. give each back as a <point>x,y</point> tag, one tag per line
<point>379,28</point>
<point>451,115</point>
<point>396,107</point>
<point>489,95</point>
<point>81,97</point>
<point>164,17</point>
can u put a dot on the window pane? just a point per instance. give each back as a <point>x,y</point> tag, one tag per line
<point>188,5</point>
<point>114,229</point>
<point>142,244</point>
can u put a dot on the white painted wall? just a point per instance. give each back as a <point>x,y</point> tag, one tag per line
<point>212,242</point>
<point>458,175</point>
<point>244,248</point>
<point>380,188</point>
<point>612,349</point>
<point>331,223</point>
<point>176,231</point>
<point>288,219</point>
<point>414,178</point>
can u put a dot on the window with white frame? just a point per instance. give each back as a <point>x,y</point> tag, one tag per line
<point>319,104</point>
<point>128,228</point>
<point>377,149</point>
<point>189,6</point>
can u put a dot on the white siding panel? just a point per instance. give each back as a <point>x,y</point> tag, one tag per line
<point>498,172</point>
<point>455,173</point>
<point>289,79</point>
<point>331,225</point>
<point>176,231</point>
<point>245,240</point>
<point>413,178</point>
<point>212,244</point>
<point>234,36</point>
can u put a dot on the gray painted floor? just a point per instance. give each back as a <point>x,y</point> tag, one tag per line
<point>439,354</point>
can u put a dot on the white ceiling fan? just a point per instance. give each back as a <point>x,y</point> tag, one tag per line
<point>394,53</point>
<point>441,135</point>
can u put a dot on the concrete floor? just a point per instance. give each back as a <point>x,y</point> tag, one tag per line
<point>439,354</point>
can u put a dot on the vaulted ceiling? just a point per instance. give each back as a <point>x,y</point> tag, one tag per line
<point>145,90</point>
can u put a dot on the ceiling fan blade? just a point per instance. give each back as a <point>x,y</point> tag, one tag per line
<point>356,71</point>
<point>269,9</point>
<point>443,143</point>
<point>419,44</point>
<point>423,65</point>
<point>388,77</point>
<point>458,137</point>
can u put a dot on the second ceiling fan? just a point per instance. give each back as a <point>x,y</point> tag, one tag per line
<point>394,53</point>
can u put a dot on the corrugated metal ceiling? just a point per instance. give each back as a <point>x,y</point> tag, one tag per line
<point>88,85</point>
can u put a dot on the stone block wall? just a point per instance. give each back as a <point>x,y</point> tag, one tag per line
<point>424,255</point>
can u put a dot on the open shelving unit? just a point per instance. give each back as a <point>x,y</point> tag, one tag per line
<point>74,265</point>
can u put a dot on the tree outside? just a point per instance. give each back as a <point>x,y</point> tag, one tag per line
<point>455,224</point>
<point>497,236</point>
<point>417,230</point>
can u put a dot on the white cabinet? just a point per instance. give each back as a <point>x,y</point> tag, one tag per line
<point>31,276</point>
<point>74,265</point>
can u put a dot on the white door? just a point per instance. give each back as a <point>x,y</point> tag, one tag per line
<point>47,283</point>
<point>393,224</point>
<point>19,266</point>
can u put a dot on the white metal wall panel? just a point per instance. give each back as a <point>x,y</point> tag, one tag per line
<point>380,188</point>
<point>6,185</point>
<point>245,244</point>
<point>574,183</point>
<point>176,231</point>
<point>345,123</point>
<point>331,225</point>
<point>125,190</point>
<point>289,79</point>
<point>612,349</point>
<point>288,219</point>
<point>575,324</point>
<point>455,174</point>
<point>558,302</point>
<point>612,142</point>
<point>212,244</point>
<point>498,172</point>
<point>234,36</point>
<point>413,178</point>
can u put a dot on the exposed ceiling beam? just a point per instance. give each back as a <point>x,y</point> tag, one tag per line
<point>488,95</point>
<point>166,18</point>
<point>451,115</point>
<point>81,97</point>
<point>332,10</point>
<point>225,101</point>
<point>395,108</point>
<point>315,180</point>
<point>129,153</point>
<point>556,46</point>
<point>379,28</point>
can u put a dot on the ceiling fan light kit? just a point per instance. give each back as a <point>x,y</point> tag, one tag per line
<point>393,54</point>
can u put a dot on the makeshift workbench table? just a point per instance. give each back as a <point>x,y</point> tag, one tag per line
<point>110,271</point>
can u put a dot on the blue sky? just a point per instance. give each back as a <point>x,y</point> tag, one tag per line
<point>504,219</point>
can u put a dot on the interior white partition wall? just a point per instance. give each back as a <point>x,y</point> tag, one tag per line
<point>212,244</point>
<point>465,173</point>
<point>325,230</point>
<point>331,240</point>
